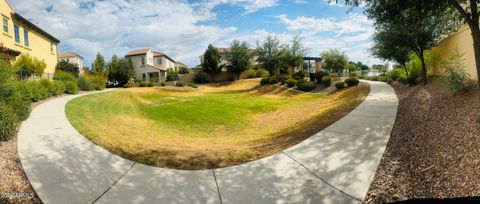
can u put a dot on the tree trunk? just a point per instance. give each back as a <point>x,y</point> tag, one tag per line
<point>406,70</point>
<point>424,69</point>
<point>476,49</point>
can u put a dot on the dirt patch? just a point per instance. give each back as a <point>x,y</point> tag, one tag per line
<point>433,151</point>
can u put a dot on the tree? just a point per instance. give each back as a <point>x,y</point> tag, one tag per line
<point>385,47</point>
<point>68,67</point>
<point>294,53</point>
<point>269,55</point>
<point>239,58</point>
<point>351,67</point>
<point>98,65</point>
<point>211,61</point>
<point>28,66</point>
<point>120,71</point>
<point>362,66</point>
<point>335,60</point>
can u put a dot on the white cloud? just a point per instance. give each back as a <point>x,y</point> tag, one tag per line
<point>352,23</point>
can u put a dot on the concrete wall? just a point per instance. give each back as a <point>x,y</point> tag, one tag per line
<point>462,41</point>
<point>39,45</point>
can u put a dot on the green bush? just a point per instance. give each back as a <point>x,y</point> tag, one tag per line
<point>183,70</point>
<point>8,122</point>
<point>71,87</point>
<point>200,78</point>
<point>128,85</point>
<point>304,85</point>
<point>457,78</point>
<point>99,82</point>
<point>142,84</point>
<point>193,85</point>
<point>327,80</point>
<point>180,84</point>
<point>58,88</point>
<point>340,85</point>
<point>375,78</point>
<point>283,79</point>
<point>261,73</point>
<point>38,91</point>
<point>361,77</point>
<point>352,81</point>
<point>264,81</point>
<point>19,105</point>
<point>272,80</point>
<point>386,79</point>
<point>64,76</point>
<point>85,83</point>
<point>250,73</point>
<point>149,84</point>
<point>319,75</point>
<point>163,83</point>
<point>395,73</point>
<point>299,75</point>
<point>172,75</point>
<point>291,82</point>
<point>334,74</point>
<point>410,80</point>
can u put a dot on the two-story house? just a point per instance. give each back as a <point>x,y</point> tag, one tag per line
<point>18,36</point>
<point>73,58</point>
<point>150,65</point>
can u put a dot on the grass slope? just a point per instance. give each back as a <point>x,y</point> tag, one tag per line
<point>215,126</point>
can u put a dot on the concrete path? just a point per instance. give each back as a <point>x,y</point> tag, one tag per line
<point>336,165</point>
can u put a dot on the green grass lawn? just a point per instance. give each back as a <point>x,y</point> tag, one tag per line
<point>204,128</point>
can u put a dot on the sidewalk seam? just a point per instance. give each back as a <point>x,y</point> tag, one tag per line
<point>313,173</point>
<point>218,188</point>
<point>114,183</point>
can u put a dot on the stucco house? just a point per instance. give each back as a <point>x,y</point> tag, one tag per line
<point>18,36</point>
<point>73,58</point>
<point>150,65</point>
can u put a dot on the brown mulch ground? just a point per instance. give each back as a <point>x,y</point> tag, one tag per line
<point>434,149</point>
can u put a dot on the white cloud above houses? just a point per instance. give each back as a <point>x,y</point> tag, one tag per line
<point>180,28</point>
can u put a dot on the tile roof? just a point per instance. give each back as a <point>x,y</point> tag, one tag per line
<point>137,52</point>
<point>68,55</point>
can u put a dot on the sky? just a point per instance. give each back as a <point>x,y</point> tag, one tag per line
<point>183,29</point>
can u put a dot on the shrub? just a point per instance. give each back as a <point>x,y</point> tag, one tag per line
<point>327,80</point>
<point>8,122</point>
<point>180,84</point>
<point>172,75</point>
<point>395,73</point>
<point>163,83</point>
<point>183,70</point>
<point>128,85</point>
<point>71,87</point>
<point>283,79</point>
<point>375,78</point>
<point>251,73</point>
<point>340,85</point>
<point>457,78</point>
<point>149,84</point>
<point>142,84</point>
<point>38,91</point>
<point>352,81</point>
<point>291,82</point>
<point>410,80</point>
<point>299,75</point>
<point>193,85</point>
<point>85,84</point>
<point>272,80</point>
<point>59,88</point>
<point>319,75</point>
<point>19,105</point>
<point>361,77</point>
<point>200,78</point>
<point>386,79</point>
<point>304,85</point>
<point>261,73</point>
<point>334,74</point>
<point>64,76</point>
<point>99,82</point>
<point>264,81</point>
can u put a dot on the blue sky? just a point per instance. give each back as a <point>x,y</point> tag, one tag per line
<point>183,29</point>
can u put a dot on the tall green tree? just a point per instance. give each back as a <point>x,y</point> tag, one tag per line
<point>385,46</point>
<point>68,67</point>
<point>335,60</point>
<point>239,58</point>
<point>28,66</point>
<point>269,55</point>
<point>294,53</point>
<point>99,64</point>
<point>120,71</point>
<point>211,61</point>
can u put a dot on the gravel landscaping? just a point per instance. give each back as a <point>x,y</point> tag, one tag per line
<point>433,151</point>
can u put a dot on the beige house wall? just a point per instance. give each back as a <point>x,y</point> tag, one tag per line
<point>461,41</point>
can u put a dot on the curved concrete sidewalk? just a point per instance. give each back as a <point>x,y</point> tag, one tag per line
<point>336,165</point>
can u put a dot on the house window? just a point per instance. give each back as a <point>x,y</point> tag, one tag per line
<point>144,77</point>
<point>51,47</point>
<point>25,38</point>
<point>5,24</point>
<point>143,60</point>
<point>159,61</point>
<point>16,30</point>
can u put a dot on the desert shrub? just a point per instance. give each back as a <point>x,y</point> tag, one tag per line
<point>304,85</point>
<point>261,73</point>
<point>193,85</point>
<point>99,82</point>
<point>71,87</point>
<point>64,76</point>
<point>180,84</point>
<point>327,80</point>
<point>264,81</point>
<point>272,80</point>
<point>38,91</point>
<point>334,74</point>
<point>340,85</point>
<point>352,81</point>
<point>200,78</point>
<point>163,83</point>
<point>85,83</point>
<point>291,82</point>
<point>319,75</point>
<point>183,70</point>
<point>19,105</point>
<point>8,122</point>
<point>142,84</point>
<point>58,88</point>
<point>457,78</point>
<point>299,75</point>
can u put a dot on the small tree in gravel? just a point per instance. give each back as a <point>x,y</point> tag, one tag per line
<point>457,78</point>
